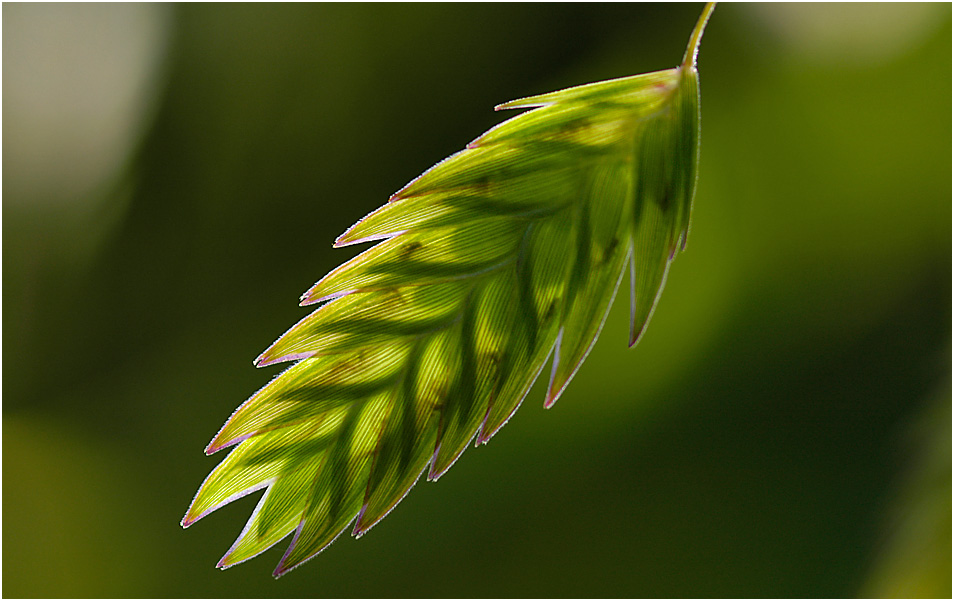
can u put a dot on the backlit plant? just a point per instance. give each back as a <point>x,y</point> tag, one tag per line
<point>496,259</point>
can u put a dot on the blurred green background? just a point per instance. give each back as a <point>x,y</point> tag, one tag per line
<point>174,176</point>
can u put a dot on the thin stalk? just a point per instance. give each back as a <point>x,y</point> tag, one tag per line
<point>692,51</point>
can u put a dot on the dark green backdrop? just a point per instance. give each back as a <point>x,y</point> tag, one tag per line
<point>782,430</point>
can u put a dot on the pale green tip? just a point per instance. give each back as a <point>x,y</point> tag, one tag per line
<point>692,50</point>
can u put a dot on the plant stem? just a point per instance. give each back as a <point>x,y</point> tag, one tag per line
<point>692,51</point>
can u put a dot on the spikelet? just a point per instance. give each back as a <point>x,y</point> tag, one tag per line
<point>494,260</point>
